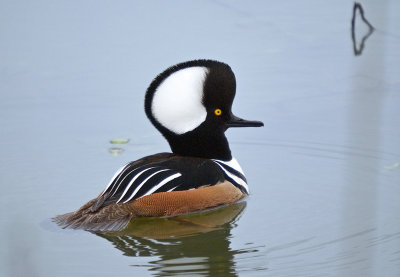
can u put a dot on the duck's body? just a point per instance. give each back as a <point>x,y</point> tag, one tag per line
<point>190,104</point>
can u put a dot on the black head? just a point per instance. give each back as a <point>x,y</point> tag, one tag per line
<point>190,104</point>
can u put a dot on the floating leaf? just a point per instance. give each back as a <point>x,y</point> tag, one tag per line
<point>119,141</point>
<point>393,166</point>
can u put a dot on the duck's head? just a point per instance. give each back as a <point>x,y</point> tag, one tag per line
<point>191,105</point>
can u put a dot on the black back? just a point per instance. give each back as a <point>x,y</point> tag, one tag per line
<point>162,173</point>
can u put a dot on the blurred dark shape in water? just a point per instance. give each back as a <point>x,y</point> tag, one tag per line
<point>359,47</point>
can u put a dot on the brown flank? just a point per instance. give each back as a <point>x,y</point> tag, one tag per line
<point>115,217</point>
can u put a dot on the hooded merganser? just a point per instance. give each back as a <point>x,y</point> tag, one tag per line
<point>190,104</point>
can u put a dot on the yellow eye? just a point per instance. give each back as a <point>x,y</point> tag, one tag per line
<point>218,112</point>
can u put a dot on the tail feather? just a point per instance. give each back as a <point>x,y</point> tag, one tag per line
<point>107,219</point>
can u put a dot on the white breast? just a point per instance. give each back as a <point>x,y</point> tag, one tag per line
<point>236,166</point>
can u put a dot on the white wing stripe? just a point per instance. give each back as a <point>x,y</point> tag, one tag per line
<point>112,179</point>
<point>172,189</point>
<point>126,176</point>
<point>163,182</point>
<point>235,178</point>
<point>139,186</point>
<point>131,182</point>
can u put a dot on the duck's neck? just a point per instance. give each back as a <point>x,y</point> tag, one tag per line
<point>210,146</point>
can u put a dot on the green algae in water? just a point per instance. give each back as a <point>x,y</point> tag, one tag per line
<point>119,141</point>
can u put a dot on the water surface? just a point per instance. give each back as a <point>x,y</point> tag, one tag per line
<point>324,172</point>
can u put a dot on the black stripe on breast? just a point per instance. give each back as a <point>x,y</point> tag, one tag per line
<point>233,171</point>
<point>231,174</point>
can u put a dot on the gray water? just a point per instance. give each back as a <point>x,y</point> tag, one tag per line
<point>324,172</point>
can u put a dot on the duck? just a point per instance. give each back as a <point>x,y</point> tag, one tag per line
<point>190,104</point>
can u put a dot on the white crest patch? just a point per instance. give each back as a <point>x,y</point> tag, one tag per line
<point>177,102</point>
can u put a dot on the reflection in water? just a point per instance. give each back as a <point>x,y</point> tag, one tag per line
<point>359,47</point>
<point>115,151</point>
<point>366,106</point>
<point>197,243</point>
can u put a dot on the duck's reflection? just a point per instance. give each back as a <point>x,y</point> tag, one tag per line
<point>192,244</point>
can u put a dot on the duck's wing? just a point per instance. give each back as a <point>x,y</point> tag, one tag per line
<point>162,173</point>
